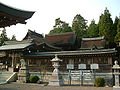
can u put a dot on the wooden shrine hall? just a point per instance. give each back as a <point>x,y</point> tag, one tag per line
<point>38,51</point>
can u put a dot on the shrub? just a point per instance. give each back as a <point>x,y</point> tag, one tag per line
<point>99,82</point>
<point>33,79</point>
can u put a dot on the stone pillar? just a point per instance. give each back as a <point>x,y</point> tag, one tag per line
<point>116,73</point>
<point>12,68</point>
<point>56,79</point>
<point>23,75</point>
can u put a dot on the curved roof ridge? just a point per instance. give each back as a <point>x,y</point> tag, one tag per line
<point>15,7</point>
<point>60,34</point>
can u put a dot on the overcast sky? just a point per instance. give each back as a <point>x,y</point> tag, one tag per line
<point>48,10</point>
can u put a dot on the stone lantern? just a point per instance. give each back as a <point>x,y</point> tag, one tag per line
<point>56,79</point>
<point>116,69</point>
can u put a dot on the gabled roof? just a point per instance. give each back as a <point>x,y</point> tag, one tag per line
<point>61,39</point>
<point>12,16</point>
<point>38,38</point>
<point>89,43</point>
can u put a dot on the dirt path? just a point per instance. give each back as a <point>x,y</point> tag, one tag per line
<point>29,86</point>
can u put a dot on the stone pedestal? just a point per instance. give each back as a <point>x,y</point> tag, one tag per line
<point>116,88</point>
<point>11,69</point>
<point>23,75</point>
<point>56,78</point>
<point>116,73</point>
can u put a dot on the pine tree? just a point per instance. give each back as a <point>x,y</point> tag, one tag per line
<point>60,27</point>
<point>3,37</point>
<point>13,38</point>
<point>79,26</point>
<point>93,30</point>
<point>117,37</point>
<point>106,28</point>
<point>115,25</point>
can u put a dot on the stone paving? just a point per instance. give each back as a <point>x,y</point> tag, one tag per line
<point>30,86</point>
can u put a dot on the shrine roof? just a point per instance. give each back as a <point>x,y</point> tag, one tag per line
<point>15,11</point>
<point>17,42</point>
<point>12,16</point>
<point>96,38</point>
<point>98,42</point>
<point>81,52</point>
<point>38,38</point>
<point>60,39</point>
<point>15,46</point>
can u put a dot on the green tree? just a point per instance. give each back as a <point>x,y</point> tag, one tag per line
<point>60,27</point>
<point>117,37</point>
<point>79,26</point>
<point>115,25</point>
<point>106,28</point>
<point>93,30</point>
<point>3,37</point>
<point>13,38</point>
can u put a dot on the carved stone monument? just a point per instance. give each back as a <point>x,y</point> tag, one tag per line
<point>56,79</point>
<point>23,75</point>
<point>116,69</point>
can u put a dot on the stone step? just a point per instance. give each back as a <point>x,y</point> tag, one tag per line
<point>2,80</point>
<point>4,76</point>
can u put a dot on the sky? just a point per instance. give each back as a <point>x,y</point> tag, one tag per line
<point>46,11</point>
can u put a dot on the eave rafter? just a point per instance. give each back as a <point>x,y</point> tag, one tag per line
<point>8,20</point>
<point>11,16</point>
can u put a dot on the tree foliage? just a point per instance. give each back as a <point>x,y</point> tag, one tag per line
<point>13,38</point>
<point>117,37</point>
<point>79,26</point>
<point>93,30</point>
<point>115,25</point>
<point>3,37</point>
<point>60,27</point>
<point>106,27</point>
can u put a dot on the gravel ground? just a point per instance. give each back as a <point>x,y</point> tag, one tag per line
<point>30,86</point>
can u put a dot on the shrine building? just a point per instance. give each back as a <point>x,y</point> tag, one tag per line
<point>38,50</point>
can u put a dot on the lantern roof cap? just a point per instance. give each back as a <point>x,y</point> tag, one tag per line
<point>56,59</point>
